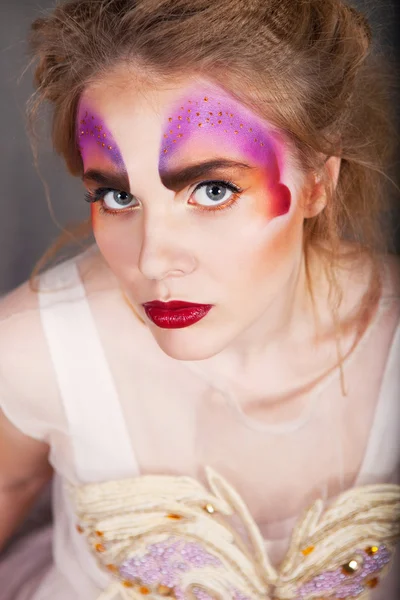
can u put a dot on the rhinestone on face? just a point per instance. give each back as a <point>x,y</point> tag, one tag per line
<point>372,583</point>
<point>209,508</point>
<point>372,550</point>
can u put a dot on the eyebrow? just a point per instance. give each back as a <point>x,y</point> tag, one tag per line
<point>176,180</point>
<point>117,179</point>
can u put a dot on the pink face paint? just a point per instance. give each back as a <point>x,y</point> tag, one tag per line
<point>206,125</point>
<point>94,139</point>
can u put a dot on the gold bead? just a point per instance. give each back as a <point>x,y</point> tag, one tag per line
<point>99,533</point>
<point>112,568</point>
<point>127,584</point>
<point>372,550</point>
<point>163,590</point>
<point>144,590</point>
<point>79,528</point>
<point>170,119</point>
<point>373,583</point>
<point>209,508</point>
<point>174,517</point>
<point>351,567</point>
<point>308,551</point>
<point>100,548</point>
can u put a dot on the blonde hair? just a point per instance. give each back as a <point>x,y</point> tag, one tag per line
<point>305,66</point>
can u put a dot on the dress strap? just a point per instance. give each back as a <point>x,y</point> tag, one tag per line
<point>383,449</point>
<point>98,433</point>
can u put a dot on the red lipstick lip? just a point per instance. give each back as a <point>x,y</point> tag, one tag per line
<point>175,314</point>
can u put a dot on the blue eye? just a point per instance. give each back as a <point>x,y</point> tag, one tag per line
<point>214,193</point>
<point>114,200</point>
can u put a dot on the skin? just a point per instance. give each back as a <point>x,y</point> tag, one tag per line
<point>244,256</point>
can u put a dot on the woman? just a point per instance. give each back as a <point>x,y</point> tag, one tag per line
<point>233,322</point>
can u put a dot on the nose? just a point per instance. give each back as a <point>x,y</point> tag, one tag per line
<point>164,250</point>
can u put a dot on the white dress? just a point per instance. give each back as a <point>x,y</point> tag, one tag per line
<point>74,372</point>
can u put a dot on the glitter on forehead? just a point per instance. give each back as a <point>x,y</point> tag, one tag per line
<point>92,133</point>
<point>226,119</point>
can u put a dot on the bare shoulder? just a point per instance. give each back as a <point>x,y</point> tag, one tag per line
<point>19,320</point>
<point>29,391</point>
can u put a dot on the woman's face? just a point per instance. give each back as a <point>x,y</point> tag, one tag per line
<point>196,200</point>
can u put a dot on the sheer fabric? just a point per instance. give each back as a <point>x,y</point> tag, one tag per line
<point>111,405</point>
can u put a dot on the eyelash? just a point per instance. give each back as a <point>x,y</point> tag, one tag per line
<point>98,194</point>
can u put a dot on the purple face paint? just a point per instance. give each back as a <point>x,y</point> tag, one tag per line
<point>209,125</point>
<point>94,138</point>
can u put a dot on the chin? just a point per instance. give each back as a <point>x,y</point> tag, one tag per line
<point>188,344</point>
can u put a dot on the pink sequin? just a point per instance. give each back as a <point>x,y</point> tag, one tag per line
<point>165,562</point>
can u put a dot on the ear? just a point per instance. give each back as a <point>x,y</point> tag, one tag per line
<point>321,182</point>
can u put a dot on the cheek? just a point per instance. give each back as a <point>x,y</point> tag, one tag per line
<point>117,239</point>
<point>274,200</point>
<point>257,252</point>
<point>276,254</point>
<point>94,213</point>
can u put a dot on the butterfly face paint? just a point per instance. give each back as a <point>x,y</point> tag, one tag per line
<point>204,124</point>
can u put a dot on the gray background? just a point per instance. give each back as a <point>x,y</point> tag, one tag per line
<point>26,226</point>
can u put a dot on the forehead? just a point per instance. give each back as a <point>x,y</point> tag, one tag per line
<point>168,123</point>
<point>118,96</point>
